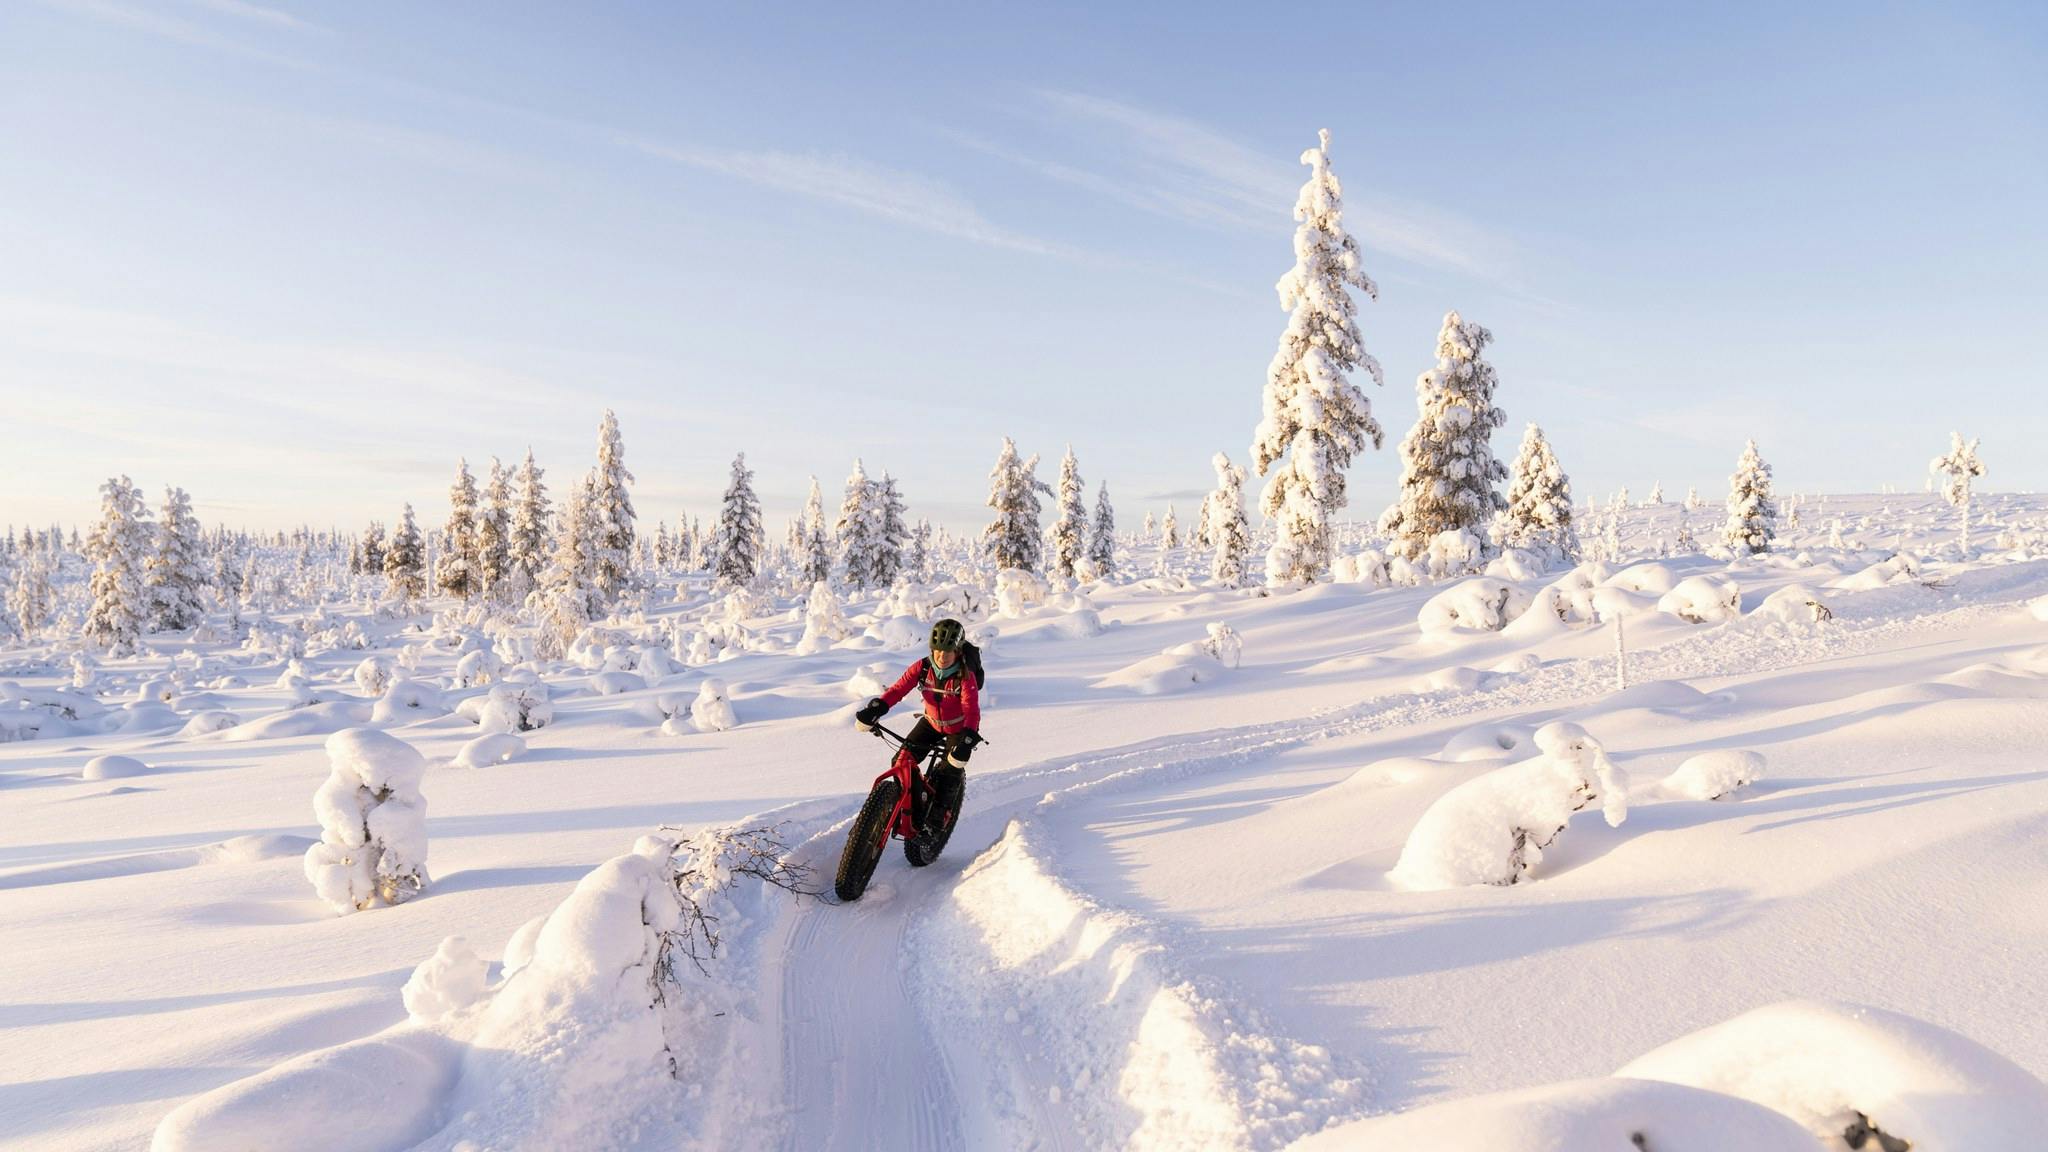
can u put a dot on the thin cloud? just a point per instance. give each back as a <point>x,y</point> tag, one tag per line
<point>268,17</point>
<point>895,195</point>
<point>163,27</point>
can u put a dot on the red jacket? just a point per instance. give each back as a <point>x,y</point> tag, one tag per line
<point>950,706</point>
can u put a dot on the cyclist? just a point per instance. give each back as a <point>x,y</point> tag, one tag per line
<point>951,688</point>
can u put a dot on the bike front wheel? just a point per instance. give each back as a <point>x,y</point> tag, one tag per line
<point>865,841</point>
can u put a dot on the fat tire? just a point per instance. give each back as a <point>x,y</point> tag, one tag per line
<point>922,850</point>
<point>865,842</point>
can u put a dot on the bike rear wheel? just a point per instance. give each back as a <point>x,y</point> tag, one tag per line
<point>865,841</point>
<point>948,792</point>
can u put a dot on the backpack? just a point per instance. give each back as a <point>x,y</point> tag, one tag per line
<point>970,656</point>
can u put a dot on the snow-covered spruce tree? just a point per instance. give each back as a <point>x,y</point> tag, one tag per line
<point>1314,418</point>
<point>1448,472</point>
<point>1225,526</point>
<point>566,599</point>
<point>1069,532</point>
<point>118,549</point>
<point>1012,538</point>
<point>175,576</point>
<point>1102,535</point>
<point>1151,528</point>
<point>1656,492</point>
<point>528,540</point>
<point>859,530</point>
<point>494,533</point>
<point>32,603</point>
<point>1957,468</point>
<point>373,822</point>
<point>1539,506</point>
<point>816,562</point>
<point>457,574</point>
<point>371,549</point>
<point>1752,514</point>
<point>1169,530</point>
<point>889,544</point>
<point>917,562</point>
<point>611,512</point>
<point>737,541</point>
<point>405,562</point>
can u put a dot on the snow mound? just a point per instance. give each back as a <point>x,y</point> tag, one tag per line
<point>450,980</point>
<point>318,1100</point>
<point>113,768</point>
<point>312,720</point>
<point>1795,604</point>
<point>207,723</point>
<point>712,710</point>
<point>1486,742</point>
<point>1492,829</point>
<point>614,683</point>
<point>1137,1057</point>
<point>1713,775</point>
<point>1899,569</point>
<point>1643,579</point>
<point>1834,1066</point>
<point>406,701</point>
<point>478,668</point>
<point>1702,600</point>
<point>1181,666</point>
<point>1457,678</point>
<point>868,681</point>
<point>494,748</point>
<point>373,822</point>
<point>2039,607</point>
<point>1480,605</point>
<point>374,674</point>
<point>1576,1116</point>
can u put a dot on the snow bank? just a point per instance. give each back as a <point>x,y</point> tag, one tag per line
<point>450,980</point>
<point>1181,666</point>
<point>1492,829</point>
<point>1832,1066</point>
<point>493,748</point>
<point>1712,775</point>
<point>376,1094</point>
<point>1137,1057</point>
<point>1898,569</point>
<point>373,822</point>
<point>1795,604</point>
<point>1702,600</point>
<point>2039,607</point>
<point>1481,605</point>
<point>1643,579</point>
<point>312,720</point>
<point>113,768</point>
<point>1576,1116</point>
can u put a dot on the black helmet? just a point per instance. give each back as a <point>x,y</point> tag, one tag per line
<point>947,636</point>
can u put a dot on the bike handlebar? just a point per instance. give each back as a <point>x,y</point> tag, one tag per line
<point>885,733</point>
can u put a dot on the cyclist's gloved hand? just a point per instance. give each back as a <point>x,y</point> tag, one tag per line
<point>961,746</point>
<point>867,716</point>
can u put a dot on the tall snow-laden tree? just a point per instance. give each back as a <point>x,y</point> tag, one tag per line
<point>528,540</point>
<point>567,598</point>
<point>859,530</point>
<point>611,512</point>
<point>1069,532</point>
<point>1013,539</point>
<point>1102,535</point>
<point>1448,471</point>
<point>175,576</point>
<point>32,602</point>
<point>1752,513</point>
<point>1151,528</point>
<point>1957,468</point>
<point>458,572</point>
<point>918,563</point>
<point>1169,530</point>
<point>1539,512</point>
<point>1657,492</point>
<point>494,533</point>
<point>1314,418</point>
<point>118,549</point>
<point>737,541</point>
<point>371,548</point>
<point>1225,526</point>
<point>405,562</point>
<point>894,532</point>
<point>816,562</point>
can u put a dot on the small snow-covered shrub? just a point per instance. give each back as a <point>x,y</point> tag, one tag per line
<point>1369,566</point>
<point>161,690</point>
<point>1480,605</point>
<point>2038,606</point>
<point>1900,568</point>
<point>1454,553</point>
<point>203,723</point>
<point>613,683</point>
<point>1018,592</point>
<point>1181,666</point>
<point>373,822</point>
<point>1645,579</point>
<point>652,662</point>
<point>408,700</point>
<point>1795,604</point>
<point>1702,600</point>
<point>113,768</point>
<point>869,680</point>
<point>1492,829</point>
<point>1712,775</point>
<point>515,707</point>
<point>1517,564</point>
<point>478,668</point>
<point>492,748</point>
<point>712,711</point>
<point>450,980</point>
<point>374,674</point>
<point>1223,645</point>
<point>824,620</point>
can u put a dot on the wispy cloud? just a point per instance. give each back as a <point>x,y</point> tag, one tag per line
<point>151,22</point>
<point>904,197</point>
<point>267,17</point>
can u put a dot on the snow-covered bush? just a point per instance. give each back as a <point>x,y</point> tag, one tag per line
<point>1795,604</point>
<point>1018,592</point>
<point>1847,1072</point>
<point>213,720</point>
<point>1480,605</point>
<point>373,822</point>
<point>712,711</point>
<point>1454,553</point>
<point>1712,775</point>
<point>1224,645</point>
<point>450,980</point>
<point>1368,566</point>
<point>1182,665</point>
<point>614,683</point>
<point>2038,606</point>
<point>478,668</point>
<point>1492,829</point>
<point>374,674</point>
<point>1900,568</point>
<point>406,701</point>
<point>514,706</point>
<point>824,620</point>
<point>1702,600</point>
<point>1645,579</point>
<point>490,748</point>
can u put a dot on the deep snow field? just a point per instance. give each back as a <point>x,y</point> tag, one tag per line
<point>1177,912</point>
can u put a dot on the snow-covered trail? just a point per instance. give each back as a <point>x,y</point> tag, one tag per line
<point>863,1065</point>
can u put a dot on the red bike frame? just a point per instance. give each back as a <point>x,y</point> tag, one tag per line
<point>901,826</point>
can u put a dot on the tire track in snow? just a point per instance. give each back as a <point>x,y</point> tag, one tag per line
<point>861,1068</point>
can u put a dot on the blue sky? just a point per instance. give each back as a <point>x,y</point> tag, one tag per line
<point>297,259</point>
